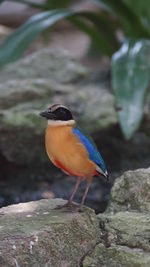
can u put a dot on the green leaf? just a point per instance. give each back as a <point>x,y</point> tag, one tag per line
<point>54,4</point>
<point>17,42</point>
<point>130,21</point>
<point>138,5</point>
<point>141,9</point>
<point>105,26</point>
<point>130,78</point>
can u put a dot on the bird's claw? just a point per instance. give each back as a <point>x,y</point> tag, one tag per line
<point>69,207</point>
<point>66,205</point>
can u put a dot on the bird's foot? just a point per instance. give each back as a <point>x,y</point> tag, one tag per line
<point>66,205</point>
<point>80,208</point>
<point>69,206</point>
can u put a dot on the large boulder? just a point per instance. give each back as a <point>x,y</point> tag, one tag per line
<point>43,234</point>
<point>54,64</point>
<point>125,243</point>
<point>38,234</point>
<point>125,227</point>
<point>131,191</point>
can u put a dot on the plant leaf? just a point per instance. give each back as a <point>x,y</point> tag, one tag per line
<point>129,19</point>
<point>130,78</point>
<point>141,9</point>
<point>54,4</point>
<point>106,27</point>
<point>17,42</point>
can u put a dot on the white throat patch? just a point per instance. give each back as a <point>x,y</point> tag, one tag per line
<point>61,123</point>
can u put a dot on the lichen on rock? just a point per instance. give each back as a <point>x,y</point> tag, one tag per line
<point>125,226</point>
<point>39,234</point>
<point>131,191</point>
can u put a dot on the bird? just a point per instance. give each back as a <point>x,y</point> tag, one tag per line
<point>70,150</point>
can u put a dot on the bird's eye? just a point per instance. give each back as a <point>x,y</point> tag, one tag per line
<point>49,110</point>
<point>62,110</point>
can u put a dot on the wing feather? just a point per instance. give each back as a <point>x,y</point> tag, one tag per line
<point>94,154</point>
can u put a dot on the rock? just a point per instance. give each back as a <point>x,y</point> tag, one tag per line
<point>125,227</point>
<point>47,63</point>
<point>33,83</point>
<point>126,238</point>
<point>131,191</point>
<point>117,256</point>
<point>37,234</point>
<point>129,229</point>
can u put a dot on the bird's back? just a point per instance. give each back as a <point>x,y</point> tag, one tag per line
<point>93,152</point>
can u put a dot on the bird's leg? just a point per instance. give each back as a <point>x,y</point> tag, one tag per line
<point>74,191</point>
<point>72,196</point>
<point>84,196</point>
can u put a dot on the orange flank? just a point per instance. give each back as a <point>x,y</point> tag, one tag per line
<point>67,152</point>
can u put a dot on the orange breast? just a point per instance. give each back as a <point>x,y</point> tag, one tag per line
<point>67,152</point>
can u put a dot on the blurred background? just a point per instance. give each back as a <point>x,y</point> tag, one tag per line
<point>91,55</point>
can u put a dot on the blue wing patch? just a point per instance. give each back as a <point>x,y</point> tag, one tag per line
<point>94,155</point>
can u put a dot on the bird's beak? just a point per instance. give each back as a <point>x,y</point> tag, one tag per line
<point>47,114</point>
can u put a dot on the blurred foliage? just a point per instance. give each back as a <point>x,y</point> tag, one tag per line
<point>130,78</point>
<point>115,24</point>
<point>53,4</point>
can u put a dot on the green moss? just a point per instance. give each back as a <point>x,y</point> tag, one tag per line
<point>120,256</point>
<point>47,236</point>
<point>131,191</point>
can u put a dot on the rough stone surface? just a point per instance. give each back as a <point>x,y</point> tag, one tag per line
<point>38,234</point>
<point>126,238</point>
<point>32,84</point>
<point>117,256</point>
<point>131,191</point>
<point>125,227</point>
<point>46,63</point>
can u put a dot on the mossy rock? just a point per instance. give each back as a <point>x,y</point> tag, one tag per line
<point>38,234</point>
<point>131,191</point>
<point>125,243</point>
<point>117,256</point>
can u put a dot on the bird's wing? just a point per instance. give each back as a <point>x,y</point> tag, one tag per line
<point>94,154</point>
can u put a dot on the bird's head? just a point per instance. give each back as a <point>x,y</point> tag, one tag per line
<point>58,114</point>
